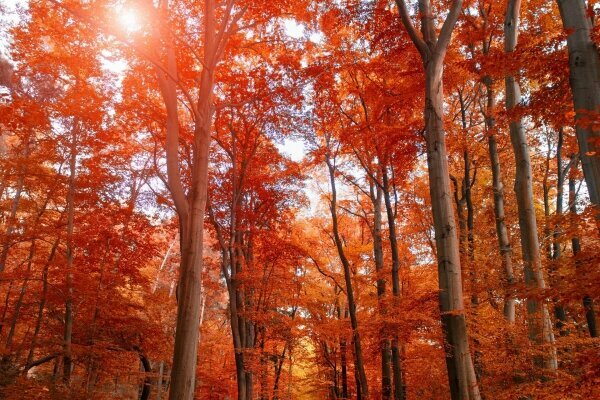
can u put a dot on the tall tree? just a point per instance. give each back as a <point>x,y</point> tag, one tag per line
<point>540,325</point>
<point>584,74</point>
<point>433,48</point>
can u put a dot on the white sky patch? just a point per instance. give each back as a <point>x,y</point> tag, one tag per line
<point>316,37</point>
<point>8,18</point>
<point>294,149</point>
<point>293,29</point>
<point>110,64</point>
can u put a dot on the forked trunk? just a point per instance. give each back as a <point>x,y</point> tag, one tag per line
<point>432,48</point>
<point>190,206</point>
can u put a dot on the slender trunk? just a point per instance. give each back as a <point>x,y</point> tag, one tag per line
<point>559,309</point>
<point>191,205</point>
<point>588,303</point>
<point>159,383</point>
<point>263,371</point>
<point>399,384</point>
<point>460,213</point>
<point>499,213</point>
<point>68,328</point>
<point>42,305</point>
<point>467,243</point>
<point>344,367</point>
<point>147,383</point>
<point>540,326</point>
<point>348,280</point>
<point>230,268</point>
<point>278,369</point>
<point>585,84</point>
<point>465,222</point>
<point>14,207</point>
<point>162,265</point>
<point>19,302</point>
<point>386,381</point>
<point>91,364</point>
<point>468,182</point>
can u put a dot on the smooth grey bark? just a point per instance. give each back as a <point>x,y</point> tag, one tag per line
<point>465,203</point>
<point>432,47</point>
<point>539,323</point>
<point>584,76</point>
<point>499,212</point>
<point>502,230</point>
<point>504,245</point>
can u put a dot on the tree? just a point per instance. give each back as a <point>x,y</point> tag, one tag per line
<point>584,73</point>
<point>432,48</point>
<point>540,326</point>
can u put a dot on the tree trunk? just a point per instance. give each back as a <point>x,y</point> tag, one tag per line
<point>159,383</point>
<point>498,187</point>
<point>14,207</point>
<point>540,325</point>
<point>585,85</point>
<point>588,303</point>
<point>559,309</point>
<point>344,367</point>
<point>278,369</point>
<point>147,383</point>
<point>386,381</point>
<point>190,206</point>
<point>499,213</point>
<point>68,328</point>
<point>432,48</point>
<point>40,314</point>
<point>19,302</point>
<point>399,384</point>
<point>231,266</point>
<point>362,378</point>
<point>461,374</point>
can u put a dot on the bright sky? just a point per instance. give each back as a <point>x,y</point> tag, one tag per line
<point>8,16</point>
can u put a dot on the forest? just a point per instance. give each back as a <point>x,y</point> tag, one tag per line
<point>299,199</point>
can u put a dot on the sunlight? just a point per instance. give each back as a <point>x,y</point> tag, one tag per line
<point>129,20</point>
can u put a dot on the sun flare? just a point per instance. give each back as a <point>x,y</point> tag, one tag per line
<point>129,20</point>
